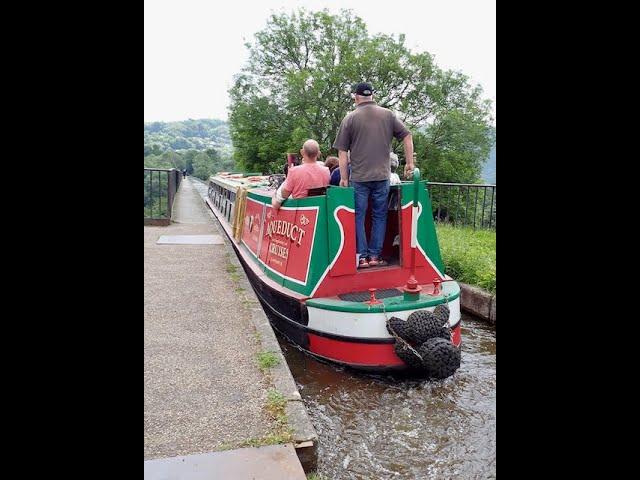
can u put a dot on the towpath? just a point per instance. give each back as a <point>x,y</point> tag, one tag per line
<point>203,390</point>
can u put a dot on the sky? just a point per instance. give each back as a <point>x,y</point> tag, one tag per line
<point>193,48</point>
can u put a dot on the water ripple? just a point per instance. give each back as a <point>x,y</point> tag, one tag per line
<point>379,427</point>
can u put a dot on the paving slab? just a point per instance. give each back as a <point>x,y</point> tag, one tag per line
<point>190,240</point>
<point>274,462</point>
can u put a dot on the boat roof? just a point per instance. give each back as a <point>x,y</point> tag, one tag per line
<point>233,181</point>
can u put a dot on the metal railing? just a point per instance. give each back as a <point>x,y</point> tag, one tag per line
<point>464,204</point>
<point>160,187</point>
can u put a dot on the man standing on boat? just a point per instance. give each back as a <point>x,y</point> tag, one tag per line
<point>367,133</point>
<point>306,176</point>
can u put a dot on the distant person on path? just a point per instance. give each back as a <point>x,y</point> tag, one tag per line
<point>367,133</point>
<point>300,179</point>
<point>184,173</point>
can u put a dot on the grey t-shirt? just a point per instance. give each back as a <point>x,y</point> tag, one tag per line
<point>367,132</point>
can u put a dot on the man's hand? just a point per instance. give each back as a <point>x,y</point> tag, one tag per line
<point>408,170</point>
<point>344,182</point>
<point>408,152</point>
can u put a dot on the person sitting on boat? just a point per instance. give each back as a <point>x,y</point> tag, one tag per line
<point>331,163</point>
<point>367,132</point>
<point>335,174</point>
<point>304,177</point>
<point>394,178</point>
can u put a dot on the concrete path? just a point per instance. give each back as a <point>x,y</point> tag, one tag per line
<point>275,462</point>
<point>202,388</point>
<point>188,206</point>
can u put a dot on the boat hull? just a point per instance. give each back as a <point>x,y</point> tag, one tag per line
<point>290,317</point>
<point>344,329</point>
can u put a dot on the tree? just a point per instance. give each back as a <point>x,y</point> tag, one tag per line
<point>179,143</point>
<point>173,159</point>
<point>152,149</point>
<point>297,85</point>
<point>185,135</point>
<point>258,136</point>
<point>202,166</point>
<point>188,160</point>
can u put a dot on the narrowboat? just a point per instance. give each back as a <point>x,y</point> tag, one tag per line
<point>301,261</point>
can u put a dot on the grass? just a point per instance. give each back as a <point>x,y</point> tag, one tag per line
<point>275,402</point>
<point>469,255</point>
<point>316,476</point>
<point>268,439</point>
<point>267,360</point>
<point>280,431</point>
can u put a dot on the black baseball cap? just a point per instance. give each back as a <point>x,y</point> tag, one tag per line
<point>365,89</point>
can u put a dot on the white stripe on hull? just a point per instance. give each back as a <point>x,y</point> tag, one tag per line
<point>366,325</point>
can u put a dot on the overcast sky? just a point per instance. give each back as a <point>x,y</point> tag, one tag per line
<point>192,48</point>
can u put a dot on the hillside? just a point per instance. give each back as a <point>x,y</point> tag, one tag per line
<point>489,169</point>
<point>188,135</point>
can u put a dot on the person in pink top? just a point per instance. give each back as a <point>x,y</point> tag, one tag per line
<point>310,174</point>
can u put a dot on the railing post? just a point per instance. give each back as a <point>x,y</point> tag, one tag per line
<point>164,192</point>
<point>171,183</point>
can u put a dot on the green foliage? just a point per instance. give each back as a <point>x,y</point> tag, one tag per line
<point>275,402</point>
<point>197,135</point>
<point>469,255</point>
<point>272,438</point>
<point>266,360</point>
<point>173,159</point>
<point>316,476</point>
<point>297,85</point>
<point>203,147</point>
<point>280,431</point>
<point>155,194</point>
<point>257,132</point>
<point>489,170</point>
<point>200,164</point>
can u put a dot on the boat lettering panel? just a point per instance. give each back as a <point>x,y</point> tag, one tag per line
<point>300,248</point>
<point>251,229</point>
<point>275,243</point>
<point>287,241</point>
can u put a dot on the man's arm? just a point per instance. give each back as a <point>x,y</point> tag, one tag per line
<point>408,152</point>
<point>279,197</point>
<point>344,169</point>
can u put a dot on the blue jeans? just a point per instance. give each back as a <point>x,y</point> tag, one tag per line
<point>379,193</point>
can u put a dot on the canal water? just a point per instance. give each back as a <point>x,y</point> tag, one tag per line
<point>382,427</point>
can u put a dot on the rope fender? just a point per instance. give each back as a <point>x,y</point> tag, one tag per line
<point>423,342</point>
